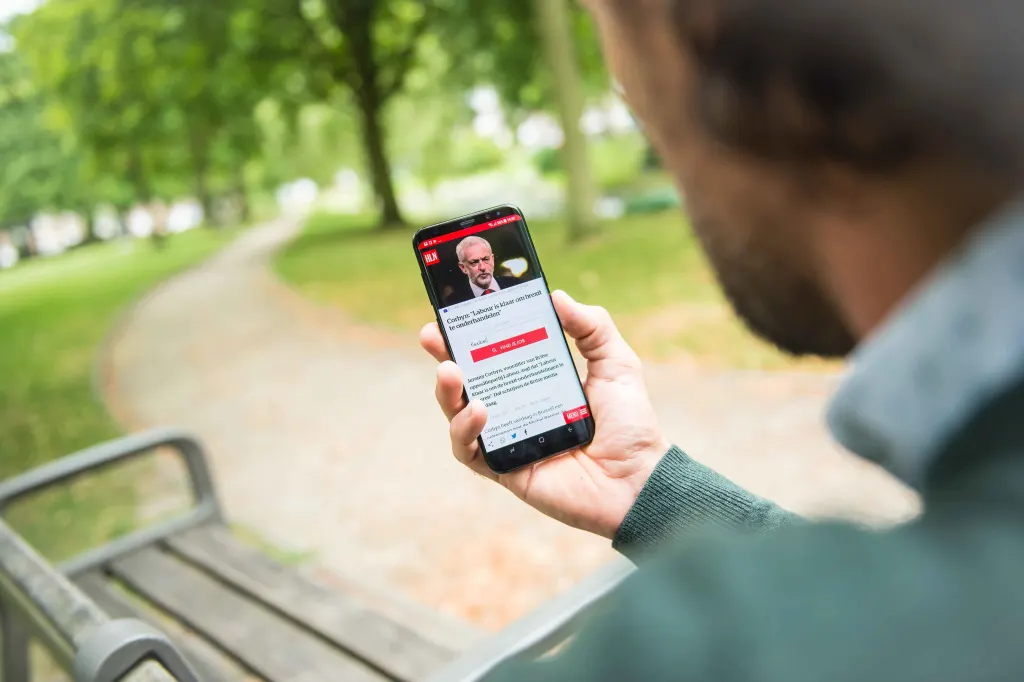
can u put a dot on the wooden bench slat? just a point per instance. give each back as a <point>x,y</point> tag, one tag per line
<point>266,644</point>
<point>386,645</point>
<point>148,671</point>
<point>210,664</point>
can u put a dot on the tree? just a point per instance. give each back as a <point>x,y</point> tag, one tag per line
<point>313,143</point>
<point>540,54</point>
<point>197,68</point>
<point>158,92</point>
<point>366,48</point>
<point>41,169</point>
<point>76,54</point>
<point>554,18</point>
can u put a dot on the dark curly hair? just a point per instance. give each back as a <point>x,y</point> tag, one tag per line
<point>874,84</point>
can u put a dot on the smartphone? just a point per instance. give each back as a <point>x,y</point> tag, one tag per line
<point>494,309</point>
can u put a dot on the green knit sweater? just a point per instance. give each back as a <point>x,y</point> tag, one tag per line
<point>937,600</point>
<point>683,494</point>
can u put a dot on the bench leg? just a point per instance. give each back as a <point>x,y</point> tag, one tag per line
<point>15,648</point>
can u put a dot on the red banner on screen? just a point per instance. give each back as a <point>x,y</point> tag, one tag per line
<point>579,414</point>
<point>515,343</point>
<point>469,231</point>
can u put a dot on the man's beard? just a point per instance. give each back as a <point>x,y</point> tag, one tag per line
<point>775,302</point>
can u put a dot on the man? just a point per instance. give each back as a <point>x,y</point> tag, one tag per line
<point>853,171</point>
<point>476,260</point>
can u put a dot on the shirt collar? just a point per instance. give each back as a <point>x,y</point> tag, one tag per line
<point>478,292</point>
<point>953,346</point>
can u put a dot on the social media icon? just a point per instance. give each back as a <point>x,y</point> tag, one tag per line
<point>514,436</point>
<point>542,440</point>
<point>446,310</point>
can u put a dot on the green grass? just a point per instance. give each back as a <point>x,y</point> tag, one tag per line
<point>54,314</point>
<point>647,270</point>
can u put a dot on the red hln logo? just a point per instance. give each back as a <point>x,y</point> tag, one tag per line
<point>430,257</point>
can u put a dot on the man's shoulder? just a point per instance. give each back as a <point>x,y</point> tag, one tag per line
<point>507,282</point>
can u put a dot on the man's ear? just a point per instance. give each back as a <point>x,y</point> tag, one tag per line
<point>465,271</point>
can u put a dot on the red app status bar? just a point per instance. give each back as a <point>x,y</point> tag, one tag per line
<point>451,236</point>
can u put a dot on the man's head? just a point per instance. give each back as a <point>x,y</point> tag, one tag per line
<point>829,151</point>
<point>476,260</point>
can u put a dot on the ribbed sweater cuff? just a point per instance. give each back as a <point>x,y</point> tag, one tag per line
<point>680,495</point>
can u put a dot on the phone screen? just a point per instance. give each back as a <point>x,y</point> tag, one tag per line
<point>492,302</point>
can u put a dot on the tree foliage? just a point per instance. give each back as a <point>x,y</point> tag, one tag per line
<point>39,169</point>
<point>501,42</point>
<point>365,51</point>
<point>540,54</point>
<point>158,93</point>
<point>128,101</point>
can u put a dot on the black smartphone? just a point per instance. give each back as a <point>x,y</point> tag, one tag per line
<point>494,308</point>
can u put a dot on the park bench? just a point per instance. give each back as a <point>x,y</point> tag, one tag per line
<point>184,600</point>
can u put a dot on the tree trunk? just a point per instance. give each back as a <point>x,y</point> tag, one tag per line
<point>380,166</point>
<point>556,31</point>
<point>159,212</point>
<point>138,178</point>
<point>200,168</point>
<point>122,221</point>
<point>205,198</point>
<point>143,191</point>
<point>242,196</point>
<point>90,226</point>
<point>371,104</point>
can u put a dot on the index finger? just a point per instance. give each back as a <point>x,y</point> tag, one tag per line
<point>433,342</point>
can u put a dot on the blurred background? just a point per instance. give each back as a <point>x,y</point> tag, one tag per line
<point>292,147</point>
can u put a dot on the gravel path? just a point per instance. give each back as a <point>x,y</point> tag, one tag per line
<point>325,438</point>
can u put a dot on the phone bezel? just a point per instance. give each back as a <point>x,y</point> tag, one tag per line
<point>541,446</point>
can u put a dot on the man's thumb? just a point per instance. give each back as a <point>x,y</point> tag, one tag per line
<point>592,327</point>
<point>579,321</point>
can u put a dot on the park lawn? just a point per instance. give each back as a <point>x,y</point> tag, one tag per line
<point>647,270</point>
<point>54,315</point>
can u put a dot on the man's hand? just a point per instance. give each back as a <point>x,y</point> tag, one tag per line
<point>591,488</point>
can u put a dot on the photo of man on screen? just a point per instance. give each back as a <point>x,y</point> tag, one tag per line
<point>477,261</point>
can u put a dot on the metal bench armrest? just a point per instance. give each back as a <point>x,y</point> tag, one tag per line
<point>36,600</point>
<point>53,608</point>
<point>206,509</point>
<point>540,631</point>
